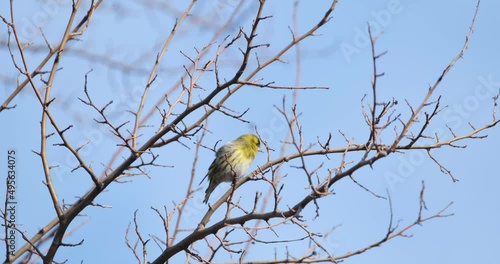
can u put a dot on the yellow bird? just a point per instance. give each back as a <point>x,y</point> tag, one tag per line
<point>232,160</point>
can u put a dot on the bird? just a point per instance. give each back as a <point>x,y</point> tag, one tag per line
<point>231,162</point>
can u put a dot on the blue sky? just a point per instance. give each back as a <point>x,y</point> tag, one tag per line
<point>420,37</point>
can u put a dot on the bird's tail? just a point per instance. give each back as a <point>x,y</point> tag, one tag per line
<point>210,189</point>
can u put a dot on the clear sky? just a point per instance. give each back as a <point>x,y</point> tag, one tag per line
<point>420,37</point>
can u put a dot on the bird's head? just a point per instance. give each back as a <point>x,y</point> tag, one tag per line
<point>251,142</point>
